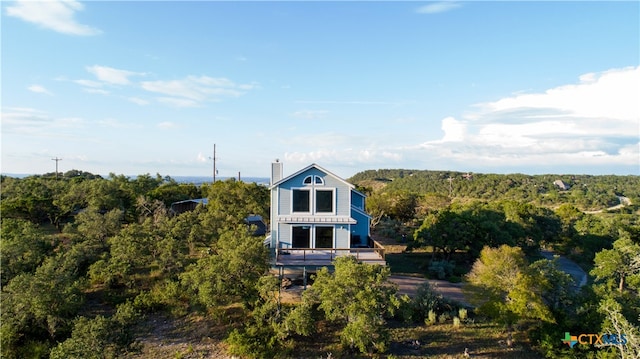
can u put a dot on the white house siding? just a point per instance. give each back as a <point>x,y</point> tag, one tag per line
<point>342,235</point>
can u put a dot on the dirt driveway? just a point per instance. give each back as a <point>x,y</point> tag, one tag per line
<point>409,286</point>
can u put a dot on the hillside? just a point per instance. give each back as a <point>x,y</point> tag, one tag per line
<point>587,192</point>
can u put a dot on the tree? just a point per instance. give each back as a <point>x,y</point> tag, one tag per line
<point>39,306</point>
<point>628,335</point>
<point>501,286</point>
<point>230,271</point>
<point>99,337</point>
<point>22,248</point>
<point>618,265</point>
<point>263,334</point>
<point>358,296</point>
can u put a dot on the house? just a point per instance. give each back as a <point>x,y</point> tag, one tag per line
<point>561,184</point>
<point>316,216</point>
<point>187,205</point>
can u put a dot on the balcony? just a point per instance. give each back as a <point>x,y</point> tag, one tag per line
<point>320,257</point>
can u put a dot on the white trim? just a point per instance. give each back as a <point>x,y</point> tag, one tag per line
<point>333,201</point>
<point>313,210</point>
<point>313,165</point>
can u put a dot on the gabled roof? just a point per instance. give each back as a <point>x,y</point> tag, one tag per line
<point>313,165</point>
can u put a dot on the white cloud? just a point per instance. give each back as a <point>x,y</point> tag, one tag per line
<point>111,75</point>
<point>32,122</point>
<point>39,89</point>
<point>96,91</point>
<point>309,114</point>
<point>167,125</point>
<point>611,94</point>
<point>438,7</point>
<point>192,91</point>
<point>454,130</point>
<point>197,89</point>
<point>57,15</point>
<point>202,158</point>
<point>177,102</point>
<point>593,122</point>
<point>89,83</point>
<point>138,101</point>
<point>114,123</point>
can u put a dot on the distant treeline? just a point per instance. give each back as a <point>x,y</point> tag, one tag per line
<point>587,192</point>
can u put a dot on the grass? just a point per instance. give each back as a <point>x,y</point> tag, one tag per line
<point>412,263</point>
<point>483,340</point>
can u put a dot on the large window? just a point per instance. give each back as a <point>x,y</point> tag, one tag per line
<point>324,201</point>
<point>301,201</point>
<point>301,237</point>
<point>324,237</point>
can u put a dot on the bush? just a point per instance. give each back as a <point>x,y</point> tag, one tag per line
<point>462,313</point>
<point>431,318</point>
<point>425,301</point>
<point>456,322</point>
<point>441,269</point>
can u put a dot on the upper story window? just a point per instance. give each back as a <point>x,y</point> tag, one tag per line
<point>313,180</point>
<point>307,180</point>
<point>313,197</point>
<point>300,199</point>
<point>324,201</point>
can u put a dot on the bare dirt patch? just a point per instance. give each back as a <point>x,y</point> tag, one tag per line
<point>160,336</point>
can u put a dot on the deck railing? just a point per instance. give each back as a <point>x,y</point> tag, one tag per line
<point>329,254</point>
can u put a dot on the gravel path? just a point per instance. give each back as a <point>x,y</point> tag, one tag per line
<point>568,266</point>
<point>409,286</point>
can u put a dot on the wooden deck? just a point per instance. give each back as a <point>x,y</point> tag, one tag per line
<point>318,257</point>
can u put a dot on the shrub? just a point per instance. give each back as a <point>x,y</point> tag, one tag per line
<point>462,313</point>
<point>431,318</point>
<point>456,322</point>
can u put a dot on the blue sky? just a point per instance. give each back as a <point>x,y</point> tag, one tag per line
<point>150,87</point>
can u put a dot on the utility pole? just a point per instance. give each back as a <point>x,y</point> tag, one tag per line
<point>214,163</point>
<point>450,179</point>
<point>57,160</point>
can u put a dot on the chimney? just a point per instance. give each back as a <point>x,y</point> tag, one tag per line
<point>276,171</point>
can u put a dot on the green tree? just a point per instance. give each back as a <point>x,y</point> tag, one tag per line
<point>359,297</point>
<point>616,323</point>
<point>100,337</point>
<point>39,306</point>
<point>230,271</point>
<point>263,335</point>
<point>22,248</point>
<point>618,266</point>
<point>502,286</point>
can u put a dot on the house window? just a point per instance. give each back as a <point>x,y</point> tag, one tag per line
<point>300,236</point>
<point>300,199</point>
<point>319,180</point>
<point>324,237</point>
<point>307,180</point>
<point>324,201</point>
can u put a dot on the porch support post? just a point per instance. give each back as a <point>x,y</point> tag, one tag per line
<point>304,277</point>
